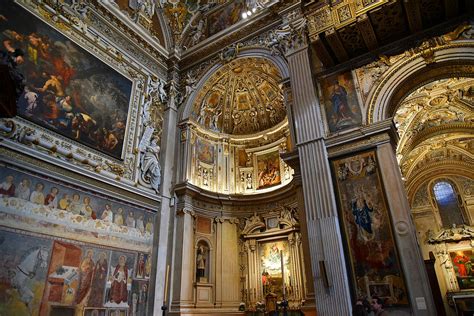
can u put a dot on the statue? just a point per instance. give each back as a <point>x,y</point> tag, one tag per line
<point>150,165</point>
<point>201,262</point>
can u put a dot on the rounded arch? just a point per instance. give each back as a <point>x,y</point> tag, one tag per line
<point>277,60</point>
<point>443,169</point>
<point>455,60</point>
<point>203,239</point>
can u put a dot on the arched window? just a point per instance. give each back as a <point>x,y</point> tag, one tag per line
<point>448,204</point>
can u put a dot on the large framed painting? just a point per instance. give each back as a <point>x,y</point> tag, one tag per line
<point>365,223</point>
<point>68,90</point>
<point>225,17</point>
<point>463,268</point>
<point>271,266</point>
<point>340,102</point>
<point>268,170</point>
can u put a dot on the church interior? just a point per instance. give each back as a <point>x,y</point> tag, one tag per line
<point>247,157</point>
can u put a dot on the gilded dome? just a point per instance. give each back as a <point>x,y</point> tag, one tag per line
<point>242,97</point>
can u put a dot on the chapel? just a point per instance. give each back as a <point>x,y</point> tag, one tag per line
<point>236,158</point>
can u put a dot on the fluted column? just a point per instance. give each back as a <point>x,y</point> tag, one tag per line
<point>324,235</point>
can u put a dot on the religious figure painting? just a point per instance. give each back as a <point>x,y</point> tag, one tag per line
<point>68,90</point>
<point>340,102</point>
<point>205,151</point>
<point>27,195</point>
<point>463,264</point>
<point>139,298</point>
<point>271,264</point>
<point>225,17</point>
<point>95,311</point>
<point>365,222</point>
<point>268,170</point>
<point>119,283</point>
<point>24,261</point>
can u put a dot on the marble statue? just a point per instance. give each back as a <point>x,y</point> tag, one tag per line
<point>150,165</point>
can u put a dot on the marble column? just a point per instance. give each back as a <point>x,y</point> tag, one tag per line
<point>325,242</point>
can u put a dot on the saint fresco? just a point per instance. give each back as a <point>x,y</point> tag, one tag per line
<point>365,222</point>
<point>24,261</point>
<point>225,17</point>
<point>268,170</point>
<point>340,102</point>
<point>205,151</point>
<point>68,90</point>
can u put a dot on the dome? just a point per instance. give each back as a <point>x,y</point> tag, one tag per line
<point>242,97</point>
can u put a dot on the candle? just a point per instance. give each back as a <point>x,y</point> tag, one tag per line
<point>282,274</point>
<point>166,284</point>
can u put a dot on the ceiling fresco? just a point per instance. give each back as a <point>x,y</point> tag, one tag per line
<point>435,124</point>
<point>242,97</point>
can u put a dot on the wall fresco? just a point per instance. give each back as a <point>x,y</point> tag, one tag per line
<point>39,204</point>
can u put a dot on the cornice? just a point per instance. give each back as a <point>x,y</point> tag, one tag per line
<point>362,138</point>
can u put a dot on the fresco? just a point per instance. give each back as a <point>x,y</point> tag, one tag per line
<point>65,211</point>
<point>268,170</point>
<point>340,102</point>
<point>24,261</point>
<point>225,17</point>
<point>67,89</point>
<point>365,222</point>
<point>205,151</point>
<point>119,282</point>
<point>139,298</point>
<point>270,266</point>
<point>464,268</point>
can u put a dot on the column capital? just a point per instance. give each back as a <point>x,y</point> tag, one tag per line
<point>184,211</point>
<point>222,219</point>
<point>293,36</point>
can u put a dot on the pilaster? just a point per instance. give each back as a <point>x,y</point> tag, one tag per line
<point>325,243</point>
<point>161,259</point>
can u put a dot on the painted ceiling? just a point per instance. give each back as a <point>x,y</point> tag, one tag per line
<point>243,97</point>
<point>435,124</point>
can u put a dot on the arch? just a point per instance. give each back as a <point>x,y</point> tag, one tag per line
<point>446,168</point>
<point>408,74</point>
<point>279,62</point>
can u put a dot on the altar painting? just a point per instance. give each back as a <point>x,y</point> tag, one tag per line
<point>340,102</point>
<point>225,17</point>
<point>463,264</point>
<point>365,222</point>
<point>66,211</point>
<point>139,298</point>
<point>68,90</point>
<point>270,266</point>
<point>268,169</point>
<point>24,261</point>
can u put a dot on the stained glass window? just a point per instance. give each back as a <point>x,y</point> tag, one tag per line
<point>448,204</point>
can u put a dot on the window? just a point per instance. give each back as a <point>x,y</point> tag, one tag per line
<point>448,205</point>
